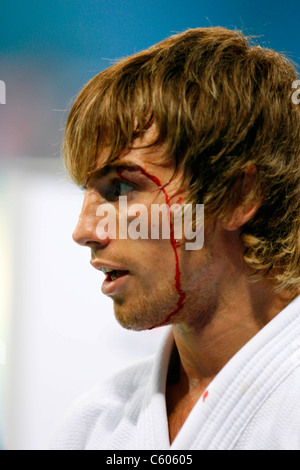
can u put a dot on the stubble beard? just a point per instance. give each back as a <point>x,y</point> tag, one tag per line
<point>156,302</point>
<point>146,311</point>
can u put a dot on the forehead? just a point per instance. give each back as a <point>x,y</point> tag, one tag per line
<point>134,161</point>
<point>143,153</point>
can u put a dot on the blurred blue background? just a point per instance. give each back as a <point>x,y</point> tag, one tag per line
<point>50,327</point>
<point>49,49</point>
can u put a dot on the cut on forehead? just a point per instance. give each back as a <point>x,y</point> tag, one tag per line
<point>142,152</point>
<point>112,113</point>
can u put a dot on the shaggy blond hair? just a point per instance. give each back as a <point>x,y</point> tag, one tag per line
<point>221,105</point>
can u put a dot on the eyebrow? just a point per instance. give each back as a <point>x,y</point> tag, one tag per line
<point>133,167</point>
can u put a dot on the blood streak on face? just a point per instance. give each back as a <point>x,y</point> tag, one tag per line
<point>174,244</point>
<point>87,180</point>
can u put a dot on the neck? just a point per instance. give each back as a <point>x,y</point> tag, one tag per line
<point>204,351</point>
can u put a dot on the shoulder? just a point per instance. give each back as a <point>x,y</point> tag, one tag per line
<point>104,406</point>
<point>275,425</point>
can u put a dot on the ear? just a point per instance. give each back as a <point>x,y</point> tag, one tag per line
<point>246,210</point>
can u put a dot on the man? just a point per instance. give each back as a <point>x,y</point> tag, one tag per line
<point>203,118</point>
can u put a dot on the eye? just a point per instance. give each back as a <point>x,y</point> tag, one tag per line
<point>122,188</point>
<point>117,188</point>
<point>112,188</point>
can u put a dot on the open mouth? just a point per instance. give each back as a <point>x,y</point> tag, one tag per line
<point>113,274</point>
<point>115,281</point>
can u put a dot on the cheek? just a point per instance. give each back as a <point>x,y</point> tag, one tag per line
<point>140,221</point>
<point>153,259</point>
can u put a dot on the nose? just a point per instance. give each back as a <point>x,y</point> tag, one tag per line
<point>85,233</point>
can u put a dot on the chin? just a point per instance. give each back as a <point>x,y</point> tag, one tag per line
<point>132,324</point>
<point>130,319</point>
<point>145,312</point>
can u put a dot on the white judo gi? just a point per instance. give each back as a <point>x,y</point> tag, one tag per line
<point>253,403</point>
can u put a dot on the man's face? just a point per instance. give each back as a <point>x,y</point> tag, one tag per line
<point>154,280</point>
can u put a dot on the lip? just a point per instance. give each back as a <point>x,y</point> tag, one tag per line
<point>97,264</point>
<point>114,287</point>
<point>111,287</point>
